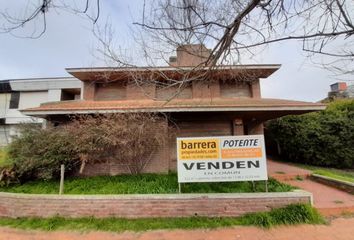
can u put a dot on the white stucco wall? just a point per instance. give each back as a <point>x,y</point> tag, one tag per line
<point>27,100</point>
<point>43,84</point>
<point>54,95</point>
<point>7,132</point>
<point>4,104</point>
<point>33,92</point>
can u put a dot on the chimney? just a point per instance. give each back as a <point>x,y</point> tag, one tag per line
<point>190,55</point>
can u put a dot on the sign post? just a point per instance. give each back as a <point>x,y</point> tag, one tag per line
<point>61,186</point>
<point>221,159</point>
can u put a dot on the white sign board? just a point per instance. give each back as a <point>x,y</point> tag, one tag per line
<point>221,159</point>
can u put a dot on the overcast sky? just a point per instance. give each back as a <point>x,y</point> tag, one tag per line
<point>68,42</point>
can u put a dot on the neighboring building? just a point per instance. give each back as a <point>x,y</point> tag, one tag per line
<point>229,104</point>
<point>340,90</point>
<point>18,94</point>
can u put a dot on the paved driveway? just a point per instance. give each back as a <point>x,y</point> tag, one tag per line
<point>328,200</point>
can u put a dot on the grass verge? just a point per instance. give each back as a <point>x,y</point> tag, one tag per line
<point>347,177</point>
<point>344,175</point>
<point>140,184</point>
<point>290,215</point>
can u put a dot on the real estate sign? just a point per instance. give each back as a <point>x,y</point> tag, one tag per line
<point>221,159</point>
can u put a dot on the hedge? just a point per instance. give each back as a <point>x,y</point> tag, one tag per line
<point>323,138</point>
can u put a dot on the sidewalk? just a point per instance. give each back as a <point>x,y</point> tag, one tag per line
<point>328,200</point>
<point>339,229</point>
<point>282,171</point>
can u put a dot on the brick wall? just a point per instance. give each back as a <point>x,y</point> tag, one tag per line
<point>89,90</point>
<point>140,92</point>
<point>206,90</point>
<point>142,206</point>
<point>232,89</point>
<point>256,89</point>
<point>197,128</point>
<point>111,91</point>
<point>129,91</point>
<point>168,93</point>
<point>159,163</point>
<point>255,128</point>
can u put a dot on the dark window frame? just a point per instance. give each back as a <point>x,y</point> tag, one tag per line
<point>14,100</point>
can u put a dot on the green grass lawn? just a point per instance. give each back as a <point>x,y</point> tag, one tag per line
<point>344,175</point>
<point>140,184</point>
<point>292,214</point>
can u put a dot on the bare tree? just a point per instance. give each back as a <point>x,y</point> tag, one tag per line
<point>34,13</point>
<point>232,27</point>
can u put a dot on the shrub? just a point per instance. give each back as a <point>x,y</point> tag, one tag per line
<point>38,153</point>
<point>129,139</point>
<point>4,158</point>
<point>324,138</point>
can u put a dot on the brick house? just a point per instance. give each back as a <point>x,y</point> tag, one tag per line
<point>230,104</point>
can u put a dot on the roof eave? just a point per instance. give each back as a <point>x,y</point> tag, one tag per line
<point>245,66</point>
<point>39,113</point>
<point>83,73</point>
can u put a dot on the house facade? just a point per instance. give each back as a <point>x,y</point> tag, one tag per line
<point>229,103</point>
<point>18,94</point>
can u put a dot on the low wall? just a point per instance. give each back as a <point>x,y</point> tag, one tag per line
<point>341,185</point>
<point>144,205</point>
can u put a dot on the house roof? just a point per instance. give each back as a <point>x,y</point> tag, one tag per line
<point>163,73</point>
<point>175,105</point>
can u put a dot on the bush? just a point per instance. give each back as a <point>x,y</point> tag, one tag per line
<point>4,158</point>
<point>129,139</point>
<point>324,138</point>
<point>38,153</point>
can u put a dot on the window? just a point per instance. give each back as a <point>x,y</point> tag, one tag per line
<point>15,99</point>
